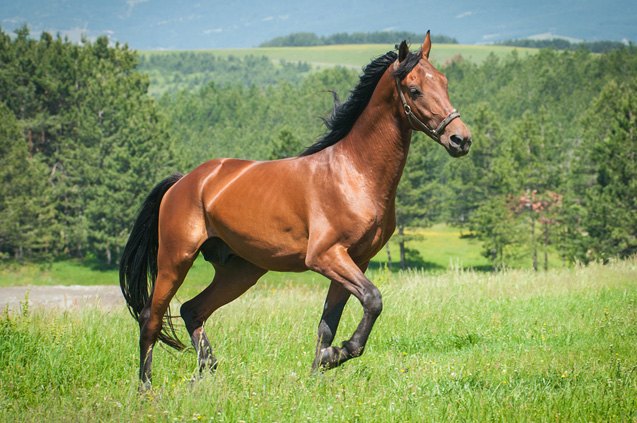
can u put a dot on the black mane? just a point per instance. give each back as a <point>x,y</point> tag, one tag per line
<point>345,115</point>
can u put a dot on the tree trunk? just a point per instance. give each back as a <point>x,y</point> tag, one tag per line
<point>546,246</point>
<point>401,245</point>
<point>389,263</point>
<point>533,243</point>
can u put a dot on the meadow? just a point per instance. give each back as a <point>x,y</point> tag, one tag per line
<point>358,55</point>
<point>455,346</point>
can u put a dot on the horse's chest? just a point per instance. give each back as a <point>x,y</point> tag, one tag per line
<point>373,239</point>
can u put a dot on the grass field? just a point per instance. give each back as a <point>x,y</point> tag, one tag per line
<point>358,55</point>
<point>457,346</point>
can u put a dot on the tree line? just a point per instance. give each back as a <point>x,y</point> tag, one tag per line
<point>82,142</point>
<point>309,39</point>
<point>604,46</point>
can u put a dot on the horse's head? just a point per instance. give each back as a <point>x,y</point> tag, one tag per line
<point>425,100</point>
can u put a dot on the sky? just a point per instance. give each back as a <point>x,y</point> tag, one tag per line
<point>181,24</point>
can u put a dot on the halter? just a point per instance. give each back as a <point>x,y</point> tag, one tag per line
<point>418,125</point>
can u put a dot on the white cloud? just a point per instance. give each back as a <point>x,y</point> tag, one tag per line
<point>213,31</point>
<point>464,14</point>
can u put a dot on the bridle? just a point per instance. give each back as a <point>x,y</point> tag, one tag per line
<point>417,124</point>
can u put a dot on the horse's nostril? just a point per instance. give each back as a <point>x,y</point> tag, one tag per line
<point>460,142</point>
<point>456,141</point>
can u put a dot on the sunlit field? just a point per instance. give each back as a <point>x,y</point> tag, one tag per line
<point>358,55</point>
<point>454,346</point>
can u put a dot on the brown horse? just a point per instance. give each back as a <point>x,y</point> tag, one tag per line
<point>329,210</point>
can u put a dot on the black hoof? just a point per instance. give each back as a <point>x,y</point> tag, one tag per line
<point>145,387</point>
<point>330,357</point>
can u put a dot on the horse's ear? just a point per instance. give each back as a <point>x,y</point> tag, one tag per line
<point>426,46</point>
<point>403,51</point>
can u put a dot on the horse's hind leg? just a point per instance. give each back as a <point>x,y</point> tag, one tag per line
<point>231,279</point>
<point>170,275</point>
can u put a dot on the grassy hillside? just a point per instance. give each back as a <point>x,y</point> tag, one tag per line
<point>287,63</point>
<point>461,346</point>
<point>358,55</point>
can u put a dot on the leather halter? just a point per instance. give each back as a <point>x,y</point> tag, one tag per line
<point>417,124</point>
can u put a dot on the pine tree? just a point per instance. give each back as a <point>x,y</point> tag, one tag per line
<point>605,186</point>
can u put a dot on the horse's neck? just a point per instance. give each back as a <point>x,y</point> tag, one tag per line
<point>378,144</point>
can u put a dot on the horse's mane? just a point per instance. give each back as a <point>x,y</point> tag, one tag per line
<point>345,115</point>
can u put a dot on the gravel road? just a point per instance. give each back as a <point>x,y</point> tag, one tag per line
<point>63,297</point>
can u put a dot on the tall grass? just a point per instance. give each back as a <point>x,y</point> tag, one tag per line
<point>458,346</point>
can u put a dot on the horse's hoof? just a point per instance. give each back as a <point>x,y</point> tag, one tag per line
<point>145,387</point>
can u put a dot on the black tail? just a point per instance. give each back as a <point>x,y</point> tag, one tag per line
<point>139,260</point>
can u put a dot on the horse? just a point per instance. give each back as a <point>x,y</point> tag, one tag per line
<point>329,210</point>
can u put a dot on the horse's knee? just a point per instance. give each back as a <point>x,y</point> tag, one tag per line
<point>373,301</point>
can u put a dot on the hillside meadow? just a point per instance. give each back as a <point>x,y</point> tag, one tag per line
<point>358,55</point>
<point>457,346</point>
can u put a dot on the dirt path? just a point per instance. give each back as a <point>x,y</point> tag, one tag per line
<point>63,297</point>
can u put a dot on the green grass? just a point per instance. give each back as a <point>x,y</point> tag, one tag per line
<point>359,55</point>
<point>458,346</point>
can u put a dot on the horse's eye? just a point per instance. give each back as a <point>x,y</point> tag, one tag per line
<point>414,92</point>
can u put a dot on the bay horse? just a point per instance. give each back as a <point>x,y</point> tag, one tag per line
<point>329,210</point>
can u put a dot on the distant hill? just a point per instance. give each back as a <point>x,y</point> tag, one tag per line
<point>307,39</point>
<point>183,24</point>
<point>566,44</point>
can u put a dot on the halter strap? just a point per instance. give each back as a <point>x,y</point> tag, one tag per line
<point>419,125</point>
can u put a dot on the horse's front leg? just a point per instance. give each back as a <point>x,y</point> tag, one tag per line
<point>337,265</point>
<point>335,301</point>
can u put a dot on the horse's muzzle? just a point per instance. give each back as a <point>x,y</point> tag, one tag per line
<point>458,145</point>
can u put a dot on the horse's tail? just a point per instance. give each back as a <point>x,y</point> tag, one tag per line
<point>139,260</point>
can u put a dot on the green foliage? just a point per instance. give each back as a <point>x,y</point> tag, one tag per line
<point>606,184</point>
<point>534,127</point>
<point>173,71</point>
<point>26,212</point>
<point>249,121</point>
<point>92,140</point>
